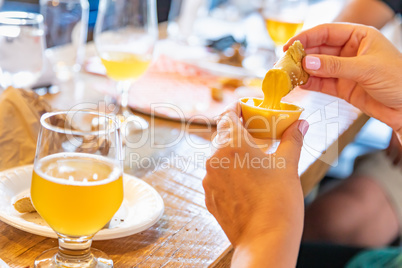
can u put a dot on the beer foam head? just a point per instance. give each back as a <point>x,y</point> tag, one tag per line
<point>78,169</point>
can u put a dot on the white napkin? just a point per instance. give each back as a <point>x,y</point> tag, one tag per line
<point>20,113</point>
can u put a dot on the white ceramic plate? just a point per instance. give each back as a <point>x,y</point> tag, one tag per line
<point>142,206</point>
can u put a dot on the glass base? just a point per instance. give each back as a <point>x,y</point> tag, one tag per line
<point>51,259</point>
<point>134,122</point>
<point>51,89</point>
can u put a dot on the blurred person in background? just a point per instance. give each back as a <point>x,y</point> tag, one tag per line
<point>364,210</point>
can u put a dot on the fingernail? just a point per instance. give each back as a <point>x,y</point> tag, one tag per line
<point>303,127</point>
<point>313,63</point>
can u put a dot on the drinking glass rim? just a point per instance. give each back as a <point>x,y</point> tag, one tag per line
<point>20,18</point>
<point>57,129</point>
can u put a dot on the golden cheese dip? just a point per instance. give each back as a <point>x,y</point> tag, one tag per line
<point>268,118</point>
<point>265,123</point>
<point>275,86</point>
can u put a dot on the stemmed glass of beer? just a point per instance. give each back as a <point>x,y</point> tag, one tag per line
<point>77,184</point>
<point>125,35</point>
<point>283,19</point>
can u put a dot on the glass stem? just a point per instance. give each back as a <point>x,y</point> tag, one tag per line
<point>75,250</point>
<point>123,88</point>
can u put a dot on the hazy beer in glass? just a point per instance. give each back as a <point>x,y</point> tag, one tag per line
<point>77,184</point>
<point>281,31</point>
<point>122,66</point>
<point>76,193</point>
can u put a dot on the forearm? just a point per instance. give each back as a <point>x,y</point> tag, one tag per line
<point>369,12</point>
<point>272,250</point>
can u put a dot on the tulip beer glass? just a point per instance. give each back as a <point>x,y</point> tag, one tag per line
<point>77,184</point>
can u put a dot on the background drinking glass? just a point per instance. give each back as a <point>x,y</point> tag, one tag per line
<point>283,19</point>
<point>21,48</point>
<point>182,15</point>
<point>66,26</point>
<point>125,35</point>
<point>197,22</point>
<point>77,184</point>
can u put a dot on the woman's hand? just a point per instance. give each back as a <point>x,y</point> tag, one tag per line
<point>256,198</point>
<point>358,64</point>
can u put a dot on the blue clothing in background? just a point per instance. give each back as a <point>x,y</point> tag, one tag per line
<point>379,258</point>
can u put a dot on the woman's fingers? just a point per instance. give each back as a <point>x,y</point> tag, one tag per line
<point>324,85</point>
<point>229,126</point>
<point>230,130</point>
<point>230,118</point>
<point>334,67</point>
<point>324,49</point>
<point>333,34</point>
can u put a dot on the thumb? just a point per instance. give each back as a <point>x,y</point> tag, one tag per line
<point>292,141</point>
<point>229,127</point>
<point>332,66</point>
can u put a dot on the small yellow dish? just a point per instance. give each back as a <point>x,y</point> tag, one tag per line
<point>268,123</point>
